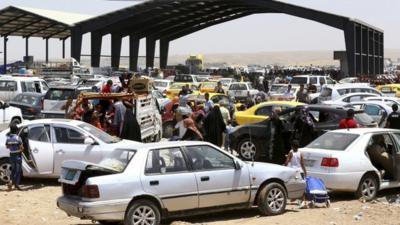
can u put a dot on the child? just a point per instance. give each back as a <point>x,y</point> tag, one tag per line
<point>295,160</point>
<point>14,145</point>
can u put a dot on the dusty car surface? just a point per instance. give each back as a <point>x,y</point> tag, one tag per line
<point>158,181</point>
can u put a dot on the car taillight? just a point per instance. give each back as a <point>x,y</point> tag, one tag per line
<point>90,191</point>
<point>330,162</point>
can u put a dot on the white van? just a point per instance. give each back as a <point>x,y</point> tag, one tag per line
<point>11,86</point>
<point>316,80</point>
<point>333,92</point>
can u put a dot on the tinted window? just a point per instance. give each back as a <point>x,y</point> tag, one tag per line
<point>333,141</point>
<point>208,158</point>
<point>39,134</point>
<point>8,86</point>
<point>59,94</point>
<point>299,80</point>
<point>68,136</point>
<point>165,161</point>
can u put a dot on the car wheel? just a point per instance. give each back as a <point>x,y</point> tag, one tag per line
<point>5,171</point>
<point>272,199</point>
<point>143,212</point>
<point>368,187</point>
<point>15,121</point>
<point>168,129</point>
<point>247,149</point>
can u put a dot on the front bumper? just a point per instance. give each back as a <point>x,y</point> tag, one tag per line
<point>295,188</point>
<point>112,210</point>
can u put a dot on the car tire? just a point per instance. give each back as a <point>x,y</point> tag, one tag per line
<point>368,187</point>
<point>247,148</point>
<point>168,129</point>
<point>272,199</point>
<point>143,210</point>
<point>15,121</point>
<point>5,171</point>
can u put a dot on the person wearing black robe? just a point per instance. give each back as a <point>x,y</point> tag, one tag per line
<point>130,128</point>
<point>214,126</point>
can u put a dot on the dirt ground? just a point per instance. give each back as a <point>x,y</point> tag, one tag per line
<point>36,205</point>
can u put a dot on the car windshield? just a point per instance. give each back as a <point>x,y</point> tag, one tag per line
<point>103,136</point>
<point>333,141</point>
<point>160,84</point>
<point>299,80</point>
<point>118,159</point>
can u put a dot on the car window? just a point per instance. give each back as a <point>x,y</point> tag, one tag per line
<point>38,134</point>
<point>163,161</point>
<point>8,86</point>
<point>68,136</point>
<point>208,158</point>
<point>264,111</point>
<point>372,110</point>
<point>313,80</point>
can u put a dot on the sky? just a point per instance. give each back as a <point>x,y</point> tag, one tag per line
<point>256,33</point>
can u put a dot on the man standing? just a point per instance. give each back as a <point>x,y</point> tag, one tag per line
<point>349,121</point>
<point>393,120</point>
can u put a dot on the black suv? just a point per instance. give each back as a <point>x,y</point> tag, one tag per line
<point>270,140</point>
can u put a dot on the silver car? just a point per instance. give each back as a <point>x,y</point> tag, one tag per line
<point>163,180</point>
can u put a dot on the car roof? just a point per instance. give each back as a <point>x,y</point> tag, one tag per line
<point>363,130</point>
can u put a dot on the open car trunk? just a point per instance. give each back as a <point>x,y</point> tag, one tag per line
<point>75,173</point>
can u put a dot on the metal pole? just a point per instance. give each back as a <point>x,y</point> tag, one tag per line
<point>27,46</point>
<point>47,50</point>
<point>63,48</point>
<point>5,54</point>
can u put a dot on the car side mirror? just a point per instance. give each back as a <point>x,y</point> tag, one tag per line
<point>238,165</point>
<point>89,141</point>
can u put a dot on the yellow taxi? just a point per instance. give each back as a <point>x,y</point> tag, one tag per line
<point>175,88</point>
<point>390,90</point>
<point>208,86</point>
<point>262,111</point>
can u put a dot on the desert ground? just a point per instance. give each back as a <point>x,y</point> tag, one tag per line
<point>36,205</point>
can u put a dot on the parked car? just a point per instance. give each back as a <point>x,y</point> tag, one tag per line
<point>254,140</point>
<point>317,80</point>
<point>387,100</point>
<point>348,98</point>
<point>30,104</point>
<point>333,92</point>
<point>49,142</point>
<point>9,115</point>
<point>345,160</point>
<point>162,85</point>
<point>391,90</point>
<point>56,98</point>
<point>157,181</point>
<point>262,111</point>
<point>379,111</point>
<point>241,91</point>
<point>10,86</point>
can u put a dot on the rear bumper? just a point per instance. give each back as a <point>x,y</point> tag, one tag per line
<point>113,210</point>
<point>295,188</point>
<point>339,181</point>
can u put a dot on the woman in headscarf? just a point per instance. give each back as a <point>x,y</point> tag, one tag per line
<point>192,133</point>
<point>130,127</point>
<point>214,126</point>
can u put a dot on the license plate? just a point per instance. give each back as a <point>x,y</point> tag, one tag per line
<point>309,163</point>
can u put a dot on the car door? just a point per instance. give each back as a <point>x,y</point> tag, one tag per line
<point>68,144</point>
<point>40,148</point>
<point>219,183</point>
<point>167,176</point>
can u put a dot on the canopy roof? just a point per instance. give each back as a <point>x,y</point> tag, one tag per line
<point>31,22</point>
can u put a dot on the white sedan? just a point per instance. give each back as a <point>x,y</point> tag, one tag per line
<point>348,98</point>
<point>49,142</point>
<point>363,160</point>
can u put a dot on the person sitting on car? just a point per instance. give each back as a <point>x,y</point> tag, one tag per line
<point>379,155</point>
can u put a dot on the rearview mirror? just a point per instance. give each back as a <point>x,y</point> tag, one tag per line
<point>89,141</point>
